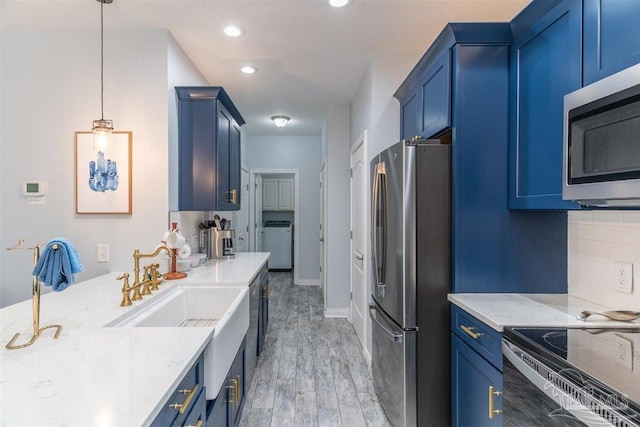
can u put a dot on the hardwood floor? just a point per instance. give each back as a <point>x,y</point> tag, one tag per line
<point>312,371</point>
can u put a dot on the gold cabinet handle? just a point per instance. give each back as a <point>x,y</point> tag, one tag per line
<point>181,407</point>
<point>234,389</point>
<point>198,424</point>
<point>469,331</point>
<point>233,196</point>
<point>237,384</point>
<point>493,412</point>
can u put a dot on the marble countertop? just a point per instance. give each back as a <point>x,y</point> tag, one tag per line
<point>535,310</point>
<point>96,375</point>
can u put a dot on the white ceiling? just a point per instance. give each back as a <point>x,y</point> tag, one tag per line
<point>309,54</point>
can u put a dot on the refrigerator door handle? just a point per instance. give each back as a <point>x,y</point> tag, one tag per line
<point>379,271</point>
<point>373,313</point>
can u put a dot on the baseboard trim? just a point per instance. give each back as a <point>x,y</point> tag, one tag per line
<point>308,282</point>
<point>336,312</point>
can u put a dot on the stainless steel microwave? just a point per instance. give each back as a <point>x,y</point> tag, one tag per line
<point>602,142</point>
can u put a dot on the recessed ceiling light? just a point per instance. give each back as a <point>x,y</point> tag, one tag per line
<point>280,121</point>
<point>249,69</point>
<point>234,30</point>
<point>338,3</point>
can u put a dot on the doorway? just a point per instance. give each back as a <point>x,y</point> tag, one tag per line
<point>275,198</point>
<point>359,249</point>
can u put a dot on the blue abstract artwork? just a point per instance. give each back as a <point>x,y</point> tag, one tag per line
<point>103,174</point>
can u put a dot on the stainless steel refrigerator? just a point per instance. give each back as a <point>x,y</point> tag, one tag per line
<point>411,258</point>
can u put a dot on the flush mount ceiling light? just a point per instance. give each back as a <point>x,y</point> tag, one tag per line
<point>102,128</point>
<point>280,121</point>
<point>249,69</point>
<point>232,30</point>
<point>338,3</point>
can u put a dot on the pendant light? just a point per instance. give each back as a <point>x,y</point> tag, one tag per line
<point>102,128</point>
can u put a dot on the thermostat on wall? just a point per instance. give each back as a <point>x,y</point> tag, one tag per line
<point>33,191</point>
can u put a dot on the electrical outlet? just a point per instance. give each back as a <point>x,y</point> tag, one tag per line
<point>623,277</point>
<point>103,253</point>
<point>623,351</point>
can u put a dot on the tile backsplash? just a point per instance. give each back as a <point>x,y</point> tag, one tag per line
<point>597,240</point>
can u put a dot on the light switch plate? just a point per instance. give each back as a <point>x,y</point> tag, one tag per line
<point>103,253</point>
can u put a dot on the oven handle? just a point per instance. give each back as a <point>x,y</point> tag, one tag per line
<point>564,400</point>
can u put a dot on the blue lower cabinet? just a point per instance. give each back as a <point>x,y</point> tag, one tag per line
<point>476,388</point>
<point>183,399</point>
<point>226,409</point>
<point>197,417</point>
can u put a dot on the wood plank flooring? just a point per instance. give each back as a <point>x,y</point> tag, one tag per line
<point>312,371</point>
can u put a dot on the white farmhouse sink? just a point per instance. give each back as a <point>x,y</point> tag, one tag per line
<point>226,309</point>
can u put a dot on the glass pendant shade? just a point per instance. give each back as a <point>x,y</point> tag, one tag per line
<point>102,130</point>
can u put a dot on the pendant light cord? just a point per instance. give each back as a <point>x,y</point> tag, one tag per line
<point>101,60</point>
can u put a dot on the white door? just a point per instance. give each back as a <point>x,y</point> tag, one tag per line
<point>258,214</point>
<point>358,240</point>
<point>242,218</point>
<point>322,222</point>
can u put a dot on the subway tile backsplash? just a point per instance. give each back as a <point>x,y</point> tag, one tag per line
<point>597,240</point>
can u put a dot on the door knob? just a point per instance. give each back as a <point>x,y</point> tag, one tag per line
<point>322,239</point>
<point>359,257</point>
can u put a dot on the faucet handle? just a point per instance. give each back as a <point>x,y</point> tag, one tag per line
<point>146,280</point>
<point>156,277</point>
<point>126,299</point>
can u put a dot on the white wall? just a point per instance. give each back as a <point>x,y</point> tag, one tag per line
<point>337,225</point>
<point>597,239</point>
<point>302,153</point>
<point>51,81</point>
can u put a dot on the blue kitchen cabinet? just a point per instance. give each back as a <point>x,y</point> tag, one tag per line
<point>409,115</point>
<point>226,409</point>
<point>185,402</point>
<point>611,37</point>
<point>494,249</point>
<point>476,363</point>
<point>425,109</point>
<point>546,64</point>
<point>208,150</point>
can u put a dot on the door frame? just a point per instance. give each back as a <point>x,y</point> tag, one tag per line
<point>361,141</point>
<point>296,212</point>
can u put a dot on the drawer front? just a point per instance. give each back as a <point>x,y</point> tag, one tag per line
<point>169,414</point>
<point>482,338</point>
<point>198,415</point>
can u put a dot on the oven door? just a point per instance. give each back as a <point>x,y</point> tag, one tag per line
<point>531,400</point>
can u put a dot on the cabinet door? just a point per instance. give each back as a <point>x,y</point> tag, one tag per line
<point>409,116</point>
<point>471,378</point>
<point>237,372</point>
<point>436,97</point>
<point>235,184</point>
<point>546,62</point>
<point>270,194</point>
<point>196,152</point>
<point>198,413</point>
<point>223,161</point>
<point>286,194</point>
<point>611,37</point>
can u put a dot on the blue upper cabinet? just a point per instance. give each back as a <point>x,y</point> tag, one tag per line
<point>546,64</point>
<point>436,97</point>
<point>611,37</point>
<point>425,110</point>
<point>208,150</point>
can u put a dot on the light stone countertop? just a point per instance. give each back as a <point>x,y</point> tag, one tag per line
<point>534,310</point>
<point>96,375</point>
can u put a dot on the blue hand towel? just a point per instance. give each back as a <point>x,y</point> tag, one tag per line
<point>56,267</point>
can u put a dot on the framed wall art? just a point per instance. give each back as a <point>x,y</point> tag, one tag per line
<point>103,175</point>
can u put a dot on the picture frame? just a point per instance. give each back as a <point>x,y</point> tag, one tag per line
<point>104,177</point>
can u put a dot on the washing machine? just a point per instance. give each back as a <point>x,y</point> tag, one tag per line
<point>277,238</point>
